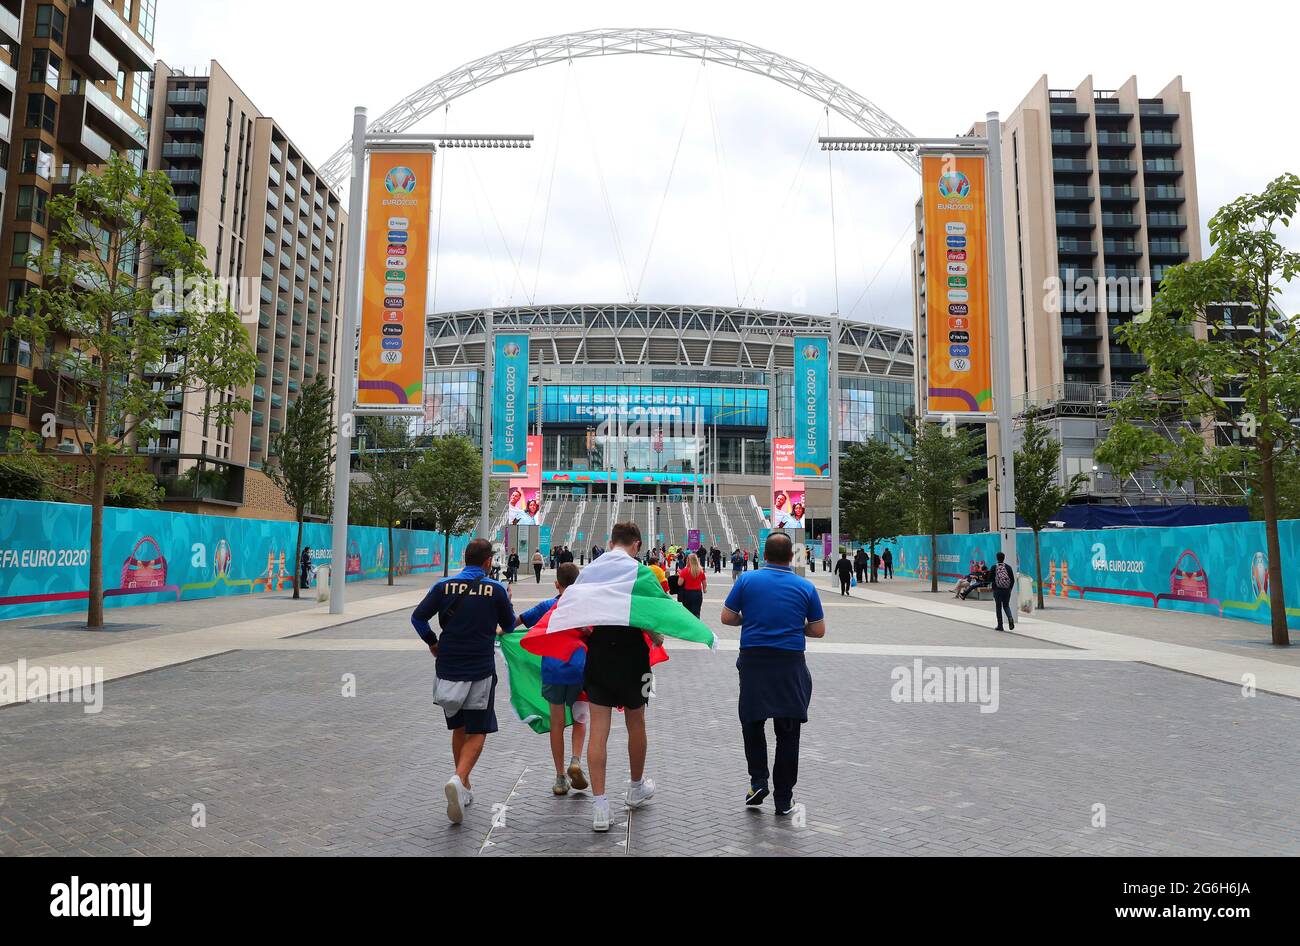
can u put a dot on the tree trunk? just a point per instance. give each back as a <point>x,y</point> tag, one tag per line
<point>391,556</point>
<point>934,563</point>
<point>1038,570</point>
<point>95,603</point>
<point>297,559</point>
<point>1276,592</point>
<point>871,563</point>
<point>446,552</point>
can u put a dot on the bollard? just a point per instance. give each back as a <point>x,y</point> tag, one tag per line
<point>323,583</point>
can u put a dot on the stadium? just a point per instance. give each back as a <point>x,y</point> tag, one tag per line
<point>664,414</point>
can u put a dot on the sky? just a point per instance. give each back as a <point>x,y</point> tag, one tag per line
<point>658,180</point>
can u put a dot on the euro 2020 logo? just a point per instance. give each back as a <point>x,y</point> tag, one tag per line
<point>954,184</point>
<point>400,180</point>
<point>811,353</point>
<point>510,350</point>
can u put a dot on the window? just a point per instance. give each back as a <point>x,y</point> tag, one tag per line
<point>46,67</point>
<point>50,23</point>
<point>41,112</point>
<point>148,11</point>
<point>25,245</point>
<point>31,204</point>
<point>38,158</point>
<point>13,399</point>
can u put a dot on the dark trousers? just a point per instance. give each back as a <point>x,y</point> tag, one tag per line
<point>692,600</point>
<point>1002,602</point>
<point>889,569</point>
<point>844,585</point>
<point>786,771</point>
<point>537,570</point>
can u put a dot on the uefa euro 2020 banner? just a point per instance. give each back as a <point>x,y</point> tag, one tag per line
<point>812,441</point>
<point>396,263</point>
<point>510,406</point>
<point>153,557</point>
<point>1216,570</point>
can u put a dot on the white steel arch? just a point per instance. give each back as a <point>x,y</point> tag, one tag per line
<point>622,42</point>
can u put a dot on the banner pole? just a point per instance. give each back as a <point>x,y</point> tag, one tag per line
<point>489,368</point>
<point>346,395</point>
<point>834,410</point>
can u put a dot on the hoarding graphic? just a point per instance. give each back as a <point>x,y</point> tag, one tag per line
<point>959,376</point>
<point>812,442</point>
<point>390,369</point>
<point>510,406</point>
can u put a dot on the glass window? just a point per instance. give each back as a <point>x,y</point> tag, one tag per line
<point>31,204</point>
<point>25,245</point>
<point>50,23</point>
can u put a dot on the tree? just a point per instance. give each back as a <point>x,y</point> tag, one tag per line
<point>384,490</point>
<point>1039,491</point>
<point>129,348</point>
<point>942,478</point>
<point>1215,331</point>
<point>872,505</point>
<point>300,456</point>
<point>447,480</point>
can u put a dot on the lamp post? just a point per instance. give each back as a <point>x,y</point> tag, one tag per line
<point>363,144</point>
<point>988,147</point>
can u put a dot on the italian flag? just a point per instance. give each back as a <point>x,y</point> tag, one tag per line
<point>614,589</point>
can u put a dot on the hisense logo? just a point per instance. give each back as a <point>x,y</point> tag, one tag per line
<point>76,899</point>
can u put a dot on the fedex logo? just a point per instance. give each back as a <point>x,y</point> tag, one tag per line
<point>395,262</point>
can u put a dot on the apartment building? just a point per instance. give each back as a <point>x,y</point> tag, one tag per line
<point>74,89</point>
<point>274,233</point>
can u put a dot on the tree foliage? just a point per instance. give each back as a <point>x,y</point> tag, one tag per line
<point>447,480</point>
<point>873,504</point>
<point>944,475</point>
<point>1040,492</point>
<point>300,456</point>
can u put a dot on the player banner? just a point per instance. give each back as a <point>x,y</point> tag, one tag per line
<point>812,442</point>
<point>510,406</point>
<point>525,495</point>
<point>390,369</point>
<point>959,376</point>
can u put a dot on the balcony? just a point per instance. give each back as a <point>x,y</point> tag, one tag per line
<point>188,99</point>
<point>1121,248</point>
<point>1164,193</point>
<point>204,481</point>
<point>181,125</point>
<point>1152,140</point>
<point>1072,192</point>
<point>1114,139</point>
<point>1166,221</point>
<point>1070,139</point>
<point>1121,221</point>
<point>109,117</point>
<point>1125,194</point>
<point>87,52</point>
<point>1080,329</point>
<point>182,151</point>
<point>109,28</point>
<point>1154,167</point>
<point>1079,360</point>
<point>10,27</point>
<point>1156,110</point>
<point>1169,248</point>
<point>1116,166</point>
<point>1072,165</point>
<point>1075,247</point>
<point>78,137</point>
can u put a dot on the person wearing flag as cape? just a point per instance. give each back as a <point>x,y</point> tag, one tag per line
<point>562,690</point>
<point>776,610</point>
<point>630,613</point>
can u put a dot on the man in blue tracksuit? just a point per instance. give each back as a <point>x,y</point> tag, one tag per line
<point>472,609</point>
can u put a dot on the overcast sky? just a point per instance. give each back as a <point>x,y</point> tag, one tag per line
<point>659,180</point>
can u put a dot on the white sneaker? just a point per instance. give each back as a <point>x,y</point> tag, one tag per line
<point>467,798</point>
<point>639,795</point>
<point>456,792</point>
<point>600,817</point>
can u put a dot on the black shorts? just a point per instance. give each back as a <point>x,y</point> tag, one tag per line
<point>618,667</point>
<point>477,722</point>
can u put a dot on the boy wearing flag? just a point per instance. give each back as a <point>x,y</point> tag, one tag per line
<point>470,607</point>
<point>561,688</point>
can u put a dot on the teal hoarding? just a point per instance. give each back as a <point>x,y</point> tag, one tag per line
<point>812,442</point>
<point>510,406</point>
<point>152,557</point>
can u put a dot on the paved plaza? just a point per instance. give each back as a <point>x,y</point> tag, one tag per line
<point>244,714</point>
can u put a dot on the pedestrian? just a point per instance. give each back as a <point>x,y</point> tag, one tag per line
<point>737,564</point>
<point>472,609</point>
<point>776,610</point>
<point>692,583</point>
<point>304,567</point>
<point>562,689</point>
<point>1004,583</point>
<point>512,568</point>
<point>875,568</point>
<point>860,565</point>
<point>538,562</point>
<point>844,571</point>
<point>887,559</point>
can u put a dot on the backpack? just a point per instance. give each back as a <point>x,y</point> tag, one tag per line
<point>1002,575</point>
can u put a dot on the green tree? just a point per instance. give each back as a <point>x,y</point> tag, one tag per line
<point>873,506</point>
<point>1040,493</point>
<point>384,488</point>
<point>300,456</point>
<point>943,477</point>
<point>447,480</point>
<point>1215,330</point>
<point>129,346</point>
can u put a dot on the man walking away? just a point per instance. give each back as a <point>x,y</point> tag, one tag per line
<point>1004,583</point>
<point>860,565</point>
<point>775,610</point>
<point>887,559</point>
<point>844,570</point>
<point>472,609</point>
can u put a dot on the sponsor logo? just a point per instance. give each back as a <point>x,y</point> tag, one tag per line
<point>395,275</point>
<point>399,223</point>
<point>959,308</point>
<point>956,256</point>
<point>392,316</point>
<point>958,282</point>
<point>390,357</point>
<point>958,295</point>
<point>959,323</point>
<point>959,365</point>
<point>398,236</point>
<point>395,262</point>
<point>394,288</point>
<point>396,249</point>
<point>400,180</point>
<point>956,242</point>
<point>959,337</point>
<point>959,351</point>
<point>394,302</point>
<point>391,344</point>
<point>392,329</point>
<point>954,184</point>
<point>958,269</point>
<point>955,229</point>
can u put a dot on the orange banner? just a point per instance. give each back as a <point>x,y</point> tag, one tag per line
<point>958,340</point>
<point>396,274</point>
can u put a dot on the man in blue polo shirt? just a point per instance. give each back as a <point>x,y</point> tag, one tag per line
<point>472,609</point>
<point>775,610</point>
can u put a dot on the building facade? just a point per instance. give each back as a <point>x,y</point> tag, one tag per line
<point>74,90</point>
<point>274,233</point>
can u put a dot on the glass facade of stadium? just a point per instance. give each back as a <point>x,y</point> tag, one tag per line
<point>686,414</point>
